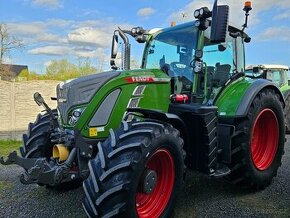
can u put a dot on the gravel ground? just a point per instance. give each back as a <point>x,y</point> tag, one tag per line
<point>201,197</point>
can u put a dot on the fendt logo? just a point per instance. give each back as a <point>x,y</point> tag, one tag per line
<point>136,79</point>
<point>146,79</point>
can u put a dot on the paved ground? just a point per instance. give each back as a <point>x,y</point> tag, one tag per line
<point>201,197</point>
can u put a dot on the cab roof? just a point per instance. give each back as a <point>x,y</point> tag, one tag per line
<point>156,31</point>
<point>268,66</point>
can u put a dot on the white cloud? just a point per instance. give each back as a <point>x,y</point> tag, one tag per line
<point>51,4</point>
<point>48,37</point>
<point>35,32</point>
<point>58,23</point>
<point>188,11</point>
<point>89,35</point>
<point>145,12</point>
<point>51,50</point>
<point>82,52</point>
<point>284,15</point>
<point>98,53</point>
<point>278,33</point>
<point>26,29</point>
<point>236,12</point>
<point>55,38</point>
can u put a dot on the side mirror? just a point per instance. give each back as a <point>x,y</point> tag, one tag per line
<point>38,99</point>
<point>115,46</point>
<point>219,23</point>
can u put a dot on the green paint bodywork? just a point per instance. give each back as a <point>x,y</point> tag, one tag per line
<point>155,96</point>
<point>230,98</point>
<point>285,89</point>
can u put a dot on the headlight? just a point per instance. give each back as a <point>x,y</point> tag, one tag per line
<point>74,116</point>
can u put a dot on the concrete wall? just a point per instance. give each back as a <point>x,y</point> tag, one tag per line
<point>17,107</point>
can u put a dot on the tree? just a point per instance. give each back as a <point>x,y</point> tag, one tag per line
<point>7,42</point>
<point>63,69</point>
<point>85,66</point>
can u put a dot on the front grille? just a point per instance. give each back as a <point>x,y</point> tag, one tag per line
<point>79,92</point>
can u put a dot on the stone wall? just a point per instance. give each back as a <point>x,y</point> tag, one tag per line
<point>17,107</point>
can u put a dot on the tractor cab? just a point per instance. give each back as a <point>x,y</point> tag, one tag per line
<point>172,50</point>
<point>199,57</point>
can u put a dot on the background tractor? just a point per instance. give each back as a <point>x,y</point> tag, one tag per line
<point>279,74</point>
<point>189,106</point>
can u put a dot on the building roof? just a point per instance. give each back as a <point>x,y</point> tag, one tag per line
<point>11,70</point>
<point>268,66</point>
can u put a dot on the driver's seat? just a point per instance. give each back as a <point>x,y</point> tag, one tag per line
<point>222,74</point>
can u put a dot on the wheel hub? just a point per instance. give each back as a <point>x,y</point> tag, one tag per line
<point>150,181</point>
<point>153,197</point>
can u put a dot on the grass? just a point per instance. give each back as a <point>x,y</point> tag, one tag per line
<point>7,146</point>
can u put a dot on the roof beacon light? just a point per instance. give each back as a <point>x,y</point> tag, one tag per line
<point>248,6</point>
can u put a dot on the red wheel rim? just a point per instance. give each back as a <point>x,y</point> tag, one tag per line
<point>153,204</point>
<point>264,140</point>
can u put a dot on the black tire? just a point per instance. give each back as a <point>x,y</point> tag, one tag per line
<point>116,171</point>
<point>248,168</point>
<point>287,114</point>
<point>37,144</point>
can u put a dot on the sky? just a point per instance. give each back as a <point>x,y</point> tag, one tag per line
<point>74,30</point>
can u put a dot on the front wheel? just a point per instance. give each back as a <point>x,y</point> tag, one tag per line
<point>137,172</point>
<point>37,144</point>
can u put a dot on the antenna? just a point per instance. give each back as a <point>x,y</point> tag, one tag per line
<point>183,14</point>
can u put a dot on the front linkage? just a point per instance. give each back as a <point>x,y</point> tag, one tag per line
<point>49,170</point>
<point>41,171</point>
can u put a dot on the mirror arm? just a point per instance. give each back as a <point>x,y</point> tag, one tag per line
<point>123,35</point>
<point>127,50</point>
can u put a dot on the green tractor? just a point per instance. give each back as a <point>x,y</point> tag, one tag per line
<point>129,135</point>
<point>279,74</point>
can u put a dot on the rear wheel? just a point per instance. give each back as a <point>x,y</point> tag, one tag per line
<point>287,114</point>
<point>137,172</point>
<point>258,146</point>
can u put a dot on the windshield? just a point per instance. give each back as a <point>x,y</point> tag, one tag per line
<point>173,50</point>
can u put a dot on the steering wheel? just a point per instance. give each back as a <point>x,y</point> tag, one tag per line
<point>177,71</point>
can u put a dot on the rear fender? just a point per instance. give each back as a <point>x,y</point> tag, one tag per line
<point>252,92</point>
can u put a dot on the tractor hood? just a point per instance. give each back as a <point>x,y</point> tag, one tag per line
<point>80,91</point>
